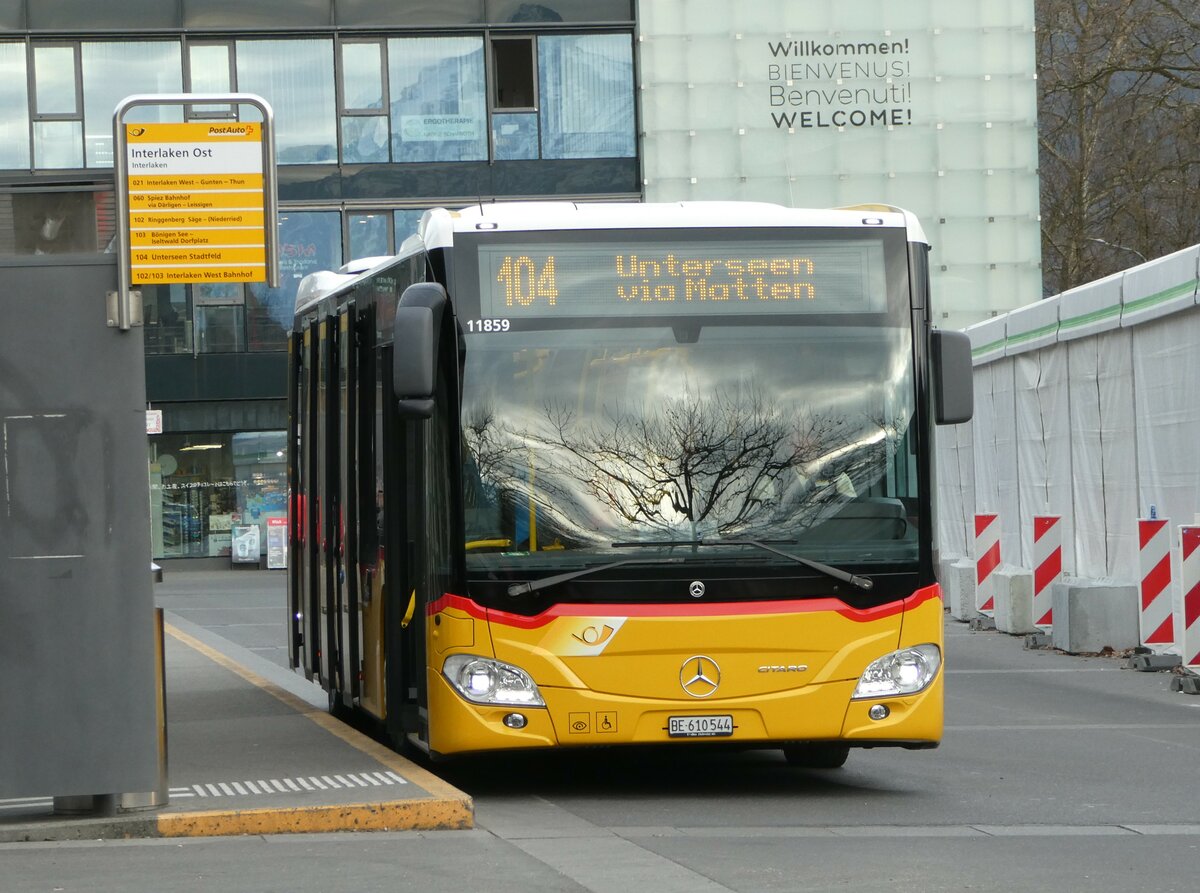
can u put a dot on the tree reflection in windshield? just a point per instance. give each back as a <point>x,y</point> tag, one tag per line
<point>644,460</point>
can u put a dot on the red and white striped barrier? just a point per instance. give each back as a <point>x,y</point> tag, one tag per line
<point>1047,567</point>
<point>987,559</point>
<point>1154,558</point>
<point>1189,549</point>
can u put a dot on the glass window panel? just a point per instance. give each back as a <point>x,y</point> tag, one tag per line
<point>57,144</point>
<point>308,241</point>
<point>14,107</point>
<point>209,71</point>
<point>167,319</point>
<point>515,136</point>
<point>260,469</point>
<point>406,222</point>
<point>379,13</point>
<point>237,14</point>
<point>365,139</point>
<point>51,222</point>
<point>512,73</point>
<point>586,93</point>
<point>219,329</point>
<point>207,294</point>
<point>88,15</point>
<point>504,11</point>
<point>296,78</point>
<point>54,76</point>
<point>362,76</point>
<point>208,68</point>
<point>193,493</point>
<point>437,99</point>
<point>369,234</point>
<point>112,71</point>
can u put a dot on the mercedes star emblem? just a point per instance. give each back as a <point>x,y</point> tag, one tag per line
<point>696,589</point>
<point>700,676</point>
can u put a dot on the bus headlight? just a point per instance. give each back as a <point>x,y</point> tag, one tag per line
<point>487,681</point>
<point>903,672</point>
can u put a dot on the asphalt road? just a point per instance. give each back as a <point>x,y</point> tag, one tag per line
<point>1056,773</point>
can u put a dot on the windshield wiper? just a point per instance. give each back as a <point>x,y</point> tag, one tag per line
<point>836,572</point>
<point>546,582</point>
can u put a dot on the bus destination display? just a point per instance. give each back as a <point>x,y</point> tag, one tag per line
<point>547,281</point>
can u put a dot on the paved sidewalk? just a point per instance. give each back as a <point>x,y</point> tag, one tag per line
<point>252,749</point>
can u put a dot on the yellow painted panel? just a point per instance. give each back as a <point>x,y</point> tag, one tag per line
<point>195,238</point>
<point>195,199</point>
<point>163,219</point>
<point>235,273</point>
<point>159,183</point>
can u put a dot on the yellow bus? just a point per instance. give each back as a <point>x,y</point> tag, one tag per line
<point>577,475</point>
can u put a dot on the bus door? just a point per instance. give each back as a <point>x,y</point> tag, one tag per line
<point>397,450</point>
<point>325,444</point>
<point>372,559</point>
<point>434,465</point>
<point>306,504</point>
<point>297,480</point>
<point>346,579</point>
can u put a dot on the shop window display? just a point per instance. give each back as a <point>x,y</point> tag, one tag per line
<point>202,485</point>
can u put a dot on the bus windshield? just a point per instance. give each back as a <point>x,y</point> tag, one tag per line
<point>625,389</point>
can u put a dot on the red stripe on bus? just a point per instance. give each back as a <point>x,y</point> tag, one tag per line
<point>726,609</point>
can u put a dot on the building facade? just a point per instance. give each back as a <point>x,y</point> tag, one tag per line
<point>384,108</point>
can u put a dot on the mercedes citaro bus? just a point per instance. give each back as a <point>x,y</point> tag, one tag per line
<point>571,475</point>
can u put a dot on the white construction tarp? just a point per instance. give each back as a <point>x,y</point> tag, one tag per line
<point>1043,447</point>
<point>1103,466</point>
<point>1097,422</point>
<point>1166,377</point>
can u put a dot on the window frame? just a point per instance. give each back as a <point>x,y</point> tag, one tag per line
<point>194,112</point>
<point>35,114</point>
<point>347,111</point>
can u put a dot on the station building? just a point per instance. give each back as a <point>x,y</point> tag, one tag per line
<point>384,108</point>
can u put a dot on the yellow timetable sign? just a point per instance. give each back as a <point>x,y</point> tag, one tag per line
<point>196,202</point>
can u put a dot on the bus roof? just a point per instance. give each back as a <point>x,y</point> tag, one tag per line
<point>439,225</point>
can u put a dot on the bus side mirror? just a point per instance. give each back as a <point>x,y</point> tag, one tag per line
<point>415,335</point>
<point>953,390</point>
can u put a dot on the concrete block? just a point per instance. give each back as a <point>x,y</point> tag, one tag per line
<point>1014,600</point>
<point>943,571</point>
<point>1153,663</point>
<point>1090,615</point>
<point>1189,685</point>
<point>960,590</point>
<point>1035,641</point>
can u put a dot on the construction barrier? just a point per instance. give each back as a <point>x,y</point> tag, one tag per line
<point>1189,549</point>
<point>1154,559</point>
<point>987,559</point>
<point>1047,567</point>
